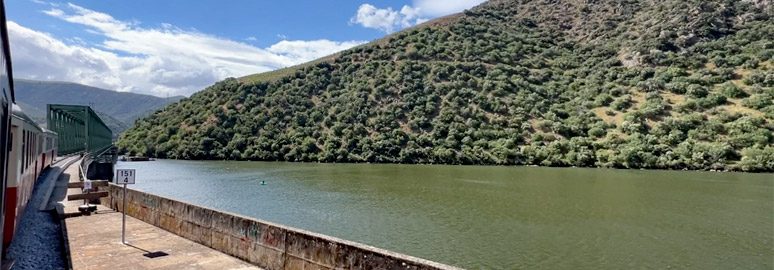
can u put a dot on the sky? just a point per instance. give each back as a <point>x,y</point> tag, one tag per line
<point>177,47</point>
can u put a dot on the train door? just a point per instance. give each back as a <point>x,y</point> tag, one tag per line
<point>6,99</point>
<point>5,148</point>
<point>13,178</point>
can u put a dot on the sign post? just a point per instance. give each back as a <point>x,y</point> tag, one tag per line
<point>124,176</point>
<point>87,189</point>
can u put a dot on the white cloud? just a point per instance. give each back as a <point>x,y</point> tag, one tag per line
<point>437,8</point>
<point>307,51</point>
<point>251,39</point>
<point>149,60</point>
<point>389,20</point>
<point>385,19</point>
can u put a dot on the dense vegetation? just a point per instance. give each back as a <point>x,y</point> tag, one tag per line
<point>628,84</point>
<point>118,110</point>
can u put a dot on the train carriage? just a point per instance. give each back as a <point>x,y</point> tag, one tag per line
<point>49,148</point>
<point>32,150</point>
<point>6,100</point>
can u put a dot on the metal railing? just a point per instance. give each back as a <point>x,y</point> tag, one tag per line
<point>78,128</point>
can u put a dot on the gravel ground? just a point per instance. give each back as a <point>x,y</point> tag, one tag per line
<point>38,243</point>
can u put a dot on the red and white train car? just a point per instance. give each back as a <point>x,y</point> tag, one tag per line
<point>33,149</point>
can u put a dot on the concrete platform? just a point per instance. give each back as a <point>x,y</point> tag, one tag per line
<point>94,240</point>
<point>95,243</point>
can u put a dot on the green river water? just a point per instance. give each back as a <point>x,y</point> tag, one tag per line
<point>488,217</point>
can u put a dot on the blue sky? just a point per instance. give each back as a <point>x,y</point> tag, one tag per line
<point>178,47</point>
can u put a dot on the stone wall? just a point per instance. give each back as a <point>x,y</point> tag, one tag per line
<point>265,244</point>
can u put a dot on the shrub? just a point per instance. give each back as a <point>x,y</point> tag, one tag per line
<point>757,159</point>
<point>602,100</point>
<point>730,90</point>
<point>757,101</point>
<point>711,101</point>
<point>677,87</point>
<point>622,103</point>
<point>696,91</point>
<point>597,132</point>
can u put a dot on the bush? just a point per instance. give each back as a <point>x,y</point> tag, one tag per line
<point>757,159</point>
<point>622,103</point>
<point>696,91</point>
<point>711,101</point>
<point>597,132</point>
<point>602,100</point>
<point>768,111</point>
<point>730,90</point>
<point>757,101</point>
<point>677,87</point>
<point>653,107</point>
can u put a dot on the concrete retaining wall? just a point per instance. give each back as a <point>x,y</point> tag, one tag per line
<point>265,244</point>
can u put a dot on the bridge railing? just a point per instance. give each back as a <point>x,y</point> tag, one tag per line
<point>78,128</point>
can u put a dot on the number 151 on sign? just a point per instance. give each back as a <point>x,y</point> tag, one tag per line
<point>125,176</point>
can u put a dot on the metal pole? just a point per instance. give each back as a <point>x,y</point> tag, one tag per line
<point>123,225</point>
<point>86,128</point>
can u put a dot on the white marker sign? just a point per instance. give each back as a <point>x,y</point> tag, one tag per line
<point>125,176</point>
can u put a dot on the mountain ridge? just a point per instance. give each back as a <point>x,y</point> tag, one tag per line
<point>624,84</point>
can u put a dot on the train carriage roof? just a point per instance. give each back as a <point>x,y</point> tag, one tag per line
<point>17,112</point>
<point>48,131</point>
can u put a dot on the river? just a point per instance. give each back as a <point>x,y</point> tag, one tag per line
<point>489,217</point>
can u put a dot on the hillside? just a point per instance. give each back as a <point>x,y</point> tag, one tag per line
<point>119,109</point>
<point>666,84</point>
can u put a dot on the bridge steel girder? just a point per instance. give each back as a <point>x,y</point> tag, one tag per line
<point>78,128</point>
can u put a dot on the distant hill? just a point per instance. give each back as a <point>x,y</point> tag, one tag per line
<point>118,110</point>
<point>668,84</point>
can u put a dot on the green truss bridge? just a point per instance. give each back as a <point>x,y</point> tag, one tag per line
<point>80,131</point>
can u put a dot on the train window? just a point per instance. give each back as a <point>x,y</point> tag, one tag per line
<point>29,146</point>
<point>27,150</point>
<point>23,149</point>
<point>4,140</point>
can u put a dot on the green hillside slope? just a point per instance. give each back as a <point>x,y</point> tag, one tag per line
<point>627,84</point>
<point>124,107</point>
